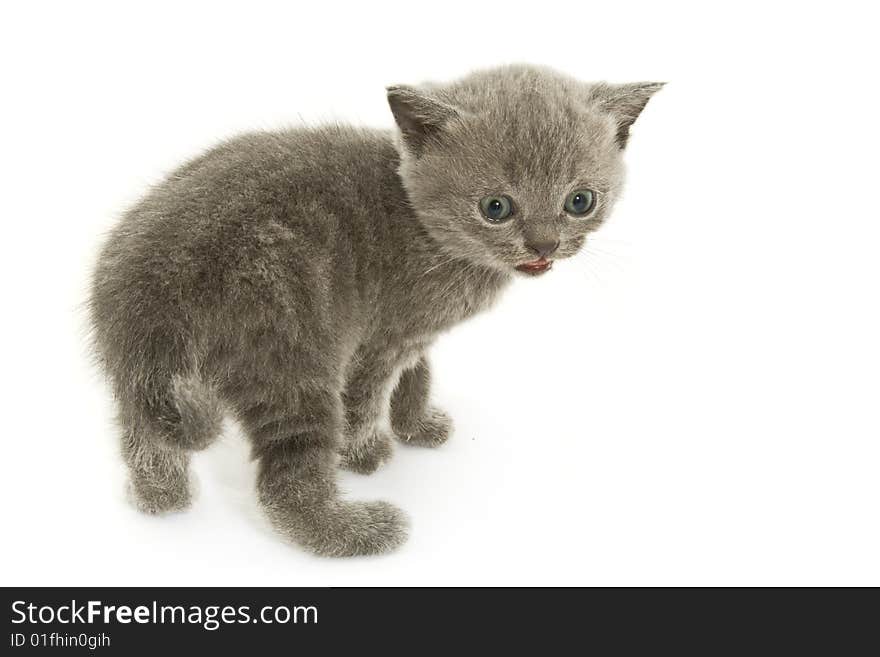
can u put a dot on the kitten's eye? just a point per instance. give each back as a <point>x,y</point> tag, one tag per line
<point>496,208</point>
<point>580,201</point>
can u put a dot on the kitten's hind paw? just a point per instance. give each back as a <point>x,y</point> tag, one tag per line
<point>430,431</point>
<point>158,499</point>
<point>365,458</point>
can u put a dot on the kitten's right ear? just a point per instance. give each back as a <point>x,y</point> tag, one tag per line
<point>419,116</point>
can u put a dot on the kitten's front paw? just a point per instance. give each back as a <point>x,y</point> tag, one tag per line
<point>432,430</point>
<point>366,457</point>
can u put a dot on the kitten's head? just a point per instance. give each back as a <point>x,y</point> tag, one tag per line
<point>513,167</point>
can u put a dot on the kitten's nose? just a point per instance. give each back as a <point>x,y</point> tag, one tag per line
<point>544,248</point>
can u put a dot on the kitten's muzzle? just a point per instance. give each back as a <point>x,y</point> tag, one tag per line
<point>542,248</point>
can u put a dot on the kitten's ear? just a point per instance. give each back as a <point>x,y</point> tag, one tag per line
<point>625,102</point>
<point>419,116</point>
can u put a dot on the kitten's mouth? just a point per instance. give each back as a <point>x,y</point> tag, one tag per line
<point>535,267</point>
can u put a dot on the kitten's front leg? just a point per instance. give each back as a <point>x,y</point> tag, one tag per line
<point>367,391</point>
<point>413,420</point>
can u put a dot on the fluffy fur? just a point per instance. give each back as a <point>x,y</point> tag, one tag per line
<point>296,280</point>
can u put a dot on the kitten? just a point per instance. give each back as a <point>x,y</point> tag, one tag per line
<point>296,280</point>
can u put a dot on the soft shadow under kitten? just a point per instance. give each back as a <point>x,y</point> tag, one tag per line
<point>296,279</point>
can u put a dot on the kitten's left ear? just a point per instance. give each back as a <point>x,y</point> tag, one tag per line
<point>419,115</point>
<point>625,102</point>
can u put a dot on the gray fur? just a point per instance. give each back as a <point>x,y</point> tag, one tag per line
<point>297,278</point>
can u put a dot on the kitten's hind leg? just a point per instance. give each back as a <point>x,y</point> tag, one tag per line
<point>295,434</point>
<point>159,429</point>
<point>158,472</point>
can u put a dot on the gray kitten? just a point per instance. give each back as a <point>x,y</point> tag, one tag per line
<point>296,279</point>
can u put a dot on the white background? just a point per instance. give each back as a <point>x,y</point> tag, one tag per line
<point>694,400</point>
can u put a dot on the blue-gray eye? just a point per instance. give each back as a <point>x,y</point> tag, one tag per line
<point>496,208</point>
<point>580,201</point>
